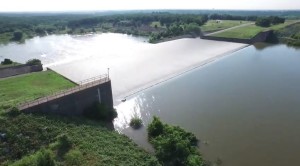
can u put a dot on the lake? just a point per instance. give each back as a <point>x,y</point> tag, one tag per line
<point>244,107</point>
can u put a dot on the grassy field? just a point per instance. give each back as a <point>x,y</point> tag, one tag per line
<point>250,31</point>
<point>30,86</point>
<point>213,25</point>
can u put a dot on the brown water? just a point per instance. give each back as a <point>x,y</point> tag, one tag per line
<point>245,108</point>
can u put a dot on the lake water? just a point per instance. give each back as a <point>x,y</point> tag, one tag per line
<point>244,107</point>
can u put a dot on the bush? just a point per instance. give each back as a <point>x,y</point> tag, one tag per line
<point>136,123</point>
<point>32,62</point>
<point>155,128</point>
<point>99,111</point>
<point>263,22</point>
<point>74,158</point>
<point>64,143</point>
<point>6,62</point>
<point>173,145</point>
<point>45,158</point>
<point>13,112</point>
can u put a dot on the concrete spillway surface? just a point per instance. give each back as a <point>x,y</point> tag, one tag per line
<point>141,65</point>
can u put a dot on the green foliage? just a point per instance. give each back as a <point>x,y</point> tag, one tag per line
<point>136,122</point>
<point>74,158</point>
<point>99,111</point>
<point>41,158</point>
<point>14,111</point>
<point>45,158</point>
<point>263,22</point>
<point>173,145</point>
<point>193,29</point>
<point>6,62</point>
<point>92,143</point>
<point>155,128</point>
<point>32,62</point>
<point>17,36</point>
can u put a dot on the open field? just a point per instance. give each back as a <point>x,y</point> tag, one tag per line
<point>214,25</point>
<point>250,31</point>
<point>30,86</point>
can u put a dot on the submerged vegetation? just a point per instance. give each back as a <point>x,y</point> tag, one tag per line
<point>136,122</point>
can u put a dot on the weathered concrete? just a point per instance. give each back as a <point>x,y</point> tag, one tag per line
<point>18,70</point>
<point>73,102</point>
<point>260,37</point>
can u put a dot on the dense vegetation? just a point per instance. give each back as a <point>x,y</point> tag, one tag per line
<point>37,139</point>
<point>290,35</point>
<point>173,145</point>
<point>267,21</point>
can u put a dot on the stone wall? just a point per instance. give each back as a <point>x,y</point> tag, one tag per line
<point>20,69</point>
<point>75,103</point>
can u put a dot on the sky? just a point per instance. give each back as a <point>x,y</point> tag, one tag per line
<point>92,5</point>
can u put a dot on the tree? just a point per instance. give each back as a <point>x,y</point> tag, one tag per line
<point>6,62</point>
<point>17,36</point>
<point>263,22</point>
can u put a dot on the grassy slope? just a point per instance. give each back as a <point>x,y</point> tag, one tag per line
<point>98,145</point>
<point>212,25</point>
<point>30,86</point>
<point>250,31</point>
<point>290,34</point>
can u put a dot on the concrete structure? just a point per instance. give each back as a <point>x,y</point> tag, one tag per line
<point>20,69</point>
<point>260,37</point>
<point>73,101</point>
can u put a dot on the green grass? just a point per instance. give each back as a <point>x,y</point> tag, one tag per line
<point>212,25</point>
<point>90,142</point>
<point>10,65</point>
<point>157,23</point>
<point>250,31</point>
<point>30,86</point>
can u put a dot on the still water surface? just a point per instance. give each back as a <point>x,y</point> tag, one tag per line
<point>245,107</point>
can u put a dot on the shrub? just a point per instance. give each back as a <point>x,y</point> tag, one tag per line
<point>64,143</point>
<point>17,36</point>
<point>173,145</point>
<point>155,128</point>
<point>136,123</point>
<point>32,62</point>
<point>45,158</point>
<point>74,158</point>
<point>99,111</point>
<point>6,62</point>
<point>13,112</point>
<point>263,22</point>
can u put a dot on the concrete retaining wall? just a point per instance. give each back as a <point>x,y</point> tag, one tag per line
<point>75,103</point>
<point>17,70</point>
<point>260,37</point>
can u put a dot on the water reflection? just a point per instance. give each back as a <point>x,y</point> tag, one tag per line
<point>245,106</point>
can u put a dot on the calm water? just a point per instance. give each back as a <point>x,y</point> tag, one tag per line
<point>245,107</point>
